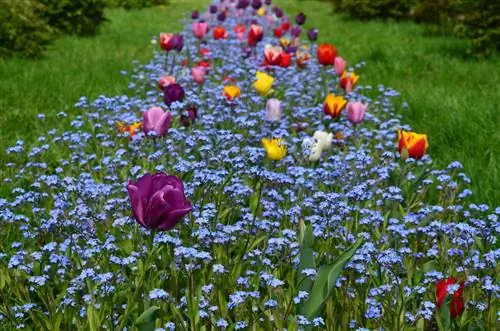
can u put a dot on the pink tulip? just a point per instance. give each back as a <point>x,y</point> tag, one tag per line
<point>273,110</point>
<point>198,74</point>
<point>156,120</point>
<point>200,29</point>
<point>166,81</point>
<point>339,64</point>
<point>356,112</point>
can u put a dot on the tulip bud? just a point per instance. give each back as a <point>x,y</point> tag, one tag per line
<point>312,34</point>
<point>300,19</point>
<point>198,74</point>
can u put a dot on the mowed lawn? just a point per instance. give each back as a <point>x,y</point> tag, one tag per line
<point>452,96</point>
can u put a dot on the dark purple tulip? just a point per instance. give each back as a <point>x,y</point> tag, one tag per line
<point>158,201</point>
<point>296,31</point>
<point>156,120</point>
<point>279,12</point>
<point>268,2</point>
<point>291,49</point>
<point>192,114</point>
<point>256,4</point>
<point>312,34</point>
<point>213,9</point>
<point>300,19</point>
<point>242,4</point>
<point>195,15</point>
<point>247,51</point>
<point>178,42</point>
<point>221,17</point>
<point>173,92</point>
<point>254,21</point>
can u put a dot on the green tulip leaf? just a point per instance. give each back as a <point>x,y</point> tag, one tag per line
<point>146,322</point>
<point>325,281</point>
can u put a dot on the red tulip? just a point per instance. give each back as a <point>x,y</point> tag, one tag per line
<point>255,34</point>
<point>286,26</point>
<point>326,54</point>
<point>278,32</point>
<point>457,302</point>
<point>286,60</point>
<point>219,33</point>
<point>272,55</point>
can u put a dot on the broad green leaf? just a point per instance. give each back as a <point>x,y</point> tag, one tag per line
<point>146,322</point>
<point>443,315</point>
<point>306,259</point>
<point>325,281</point>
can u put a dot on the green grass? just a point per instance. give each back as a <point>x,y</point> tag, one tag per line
<point>76,67</point>
<point>453,97</point>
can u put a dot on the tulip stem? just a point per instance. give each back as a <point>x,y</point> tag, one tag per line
<point>172,65</point>
<point>325,82</point>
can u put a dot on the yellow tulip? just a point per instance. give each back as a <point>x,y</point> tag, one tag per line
<point>333,105</point>
<point>275,148</point>
<point>284,42</point>
<point>261,11</point>
<point>264,83</point>
<point>231,92</point>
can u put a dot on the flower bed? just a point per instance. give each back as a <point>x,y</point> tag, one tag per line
<point>250,181</point>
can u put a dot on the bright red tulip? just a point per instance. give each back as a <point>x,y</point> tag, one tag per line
<point>219,33</point>
<point>326,54</point>
<point>255,34</point>
<point>457,302</point>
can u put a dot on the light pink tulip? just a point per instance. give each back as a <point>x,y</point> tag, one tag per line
<point>166,81</point>
<point>273,110</point>
<point>200,29</point>
<point>339,64</point>
<point>356,112</point>
<point>198,74</point>
<point>156,120</point>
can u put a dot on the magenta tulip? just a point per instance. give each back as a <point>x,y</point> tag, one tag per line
<point>198,74</point>
<point>200,29</point>
<point>156,120</point>
<point>158,201</point>
<point>356,112</point>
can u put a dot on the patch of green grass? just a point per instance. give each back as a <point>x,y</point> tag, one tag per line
<point>453,97</point>
<point>76,67</point>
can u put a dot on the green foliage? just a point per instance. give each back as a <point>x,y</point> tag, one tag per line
<point>135,4</point>
<point>481,24</point>
<point>368,9</point>
<point>82,17</point>
<point>22,30</point>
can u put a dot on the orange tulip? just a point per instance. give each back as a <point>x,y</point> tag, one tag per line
<point>348,80</point>
<point>131,129</point>
<point>412,144</point>
<point>326,54</point>
<point>231,92</point>
<point>333,105</point>
<point>219,33</point>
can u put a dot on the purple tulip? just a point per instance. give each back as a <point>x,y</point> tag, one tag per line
<point>356,112</point>
<point>296,31</point>
<point>312,34</point>
<point>221,16</point>
<point>268,2</point>
<point>156,120</point>
<point>247,51</point>
<point>178,42</point>
<point>158,201</point>
<point>254,21</point>
<point>279,12</point>
<point>242,4</point>
<point>192,114</point>
<point>195,15</point>
<point>291,49</point>
<point>213,9</point>
<point>173,92</point>
<point>256,4</point>
<point>300,19</point>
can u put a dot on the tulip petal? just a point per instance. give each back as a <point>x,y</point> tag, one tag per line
<point>138,203</point>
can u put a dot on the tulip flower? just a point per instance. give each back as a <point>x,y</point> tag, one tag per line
<point>219,33</point>
<point>221,17</point>
<point>457,302</point>
<point>131,129</point>
<point>172,93</point>
<point>275,148</point>
<point>412,144</point>
<point>326,54</point>
<point>261,11</point>
<point>312,34</point>
<point>348,80</point>
<point>333,105</point>
<point>279,12</point>
<point>200,29</point>
<point>286,60</point>
<point>156,120</point>
<point>339,65</point>
<point>267,2</point>
<point>302,58</point>
<point>278,32</point>
<point>300,19</point>
<point>195,15</point>
<point>324,139</point>
<point>231,92</point>
<point>242,4</point>
<point>264,83</point>
<point>256,4</point>
<point>286,26</point>
<point>212,9</point>
<point>158,201</point>
<point>296,31</point>
<point>356,112</point>
<point>255,34</point>
<point>272,55</point>
<point>239,30</point>
<point>166,81</point>
<point>273,110</point>
<point>168,41</point>
<point>192,114</point>
<point>198,74</point>
<point>285,42</point>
